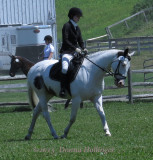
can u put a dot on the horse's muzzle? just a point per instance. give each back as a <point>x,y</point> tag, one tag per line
<point>120,83</point>
<point>11,74</point>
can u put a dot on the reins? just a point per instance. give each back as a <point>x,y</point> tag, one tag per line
<point>107,71</point>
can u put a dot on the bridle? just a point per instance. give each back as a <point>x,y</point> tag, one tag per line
<point>115,74</point>
<point>103,69</point>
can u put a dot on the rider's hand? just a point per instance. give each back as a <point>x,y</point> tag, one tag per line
<point>85,51</point>
<point>78,50</point>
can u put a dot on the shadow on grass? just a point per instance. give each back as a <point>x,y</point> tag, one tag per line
<point>22,109</point>
<point>149,100</point>
<point>35,139</point>
<point>12,109</point>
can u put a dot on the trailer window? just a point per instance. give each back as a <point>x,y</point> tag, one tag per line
<point>13,39</point>
<point>3,41</point>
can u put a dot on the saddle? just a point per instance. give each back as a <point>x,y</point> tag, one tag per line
<point>75,64</point>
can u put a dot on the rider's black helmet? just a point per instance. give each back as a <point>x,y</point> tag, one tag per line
<point>75,12</point>
<point>48,38</point>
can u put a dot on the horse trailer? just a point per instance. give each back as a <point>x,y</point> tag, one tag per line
<point>23,26</point>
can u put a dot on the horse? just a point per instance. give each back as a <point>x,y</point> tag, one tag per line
<point>86,86</point>
<point>18,62</point>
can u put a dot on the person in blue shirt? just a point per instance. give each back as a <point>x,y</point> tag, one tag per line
<point>49,49</point>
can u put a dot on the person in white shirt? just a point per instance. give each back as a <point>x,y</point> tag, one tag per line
<point>49,49</point>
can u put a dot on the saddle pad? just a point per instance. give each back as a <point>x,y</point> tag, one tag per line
<point>75,64</point>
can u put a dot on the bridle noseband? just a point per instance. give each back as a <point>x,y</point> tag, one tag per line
<point>117,72</point>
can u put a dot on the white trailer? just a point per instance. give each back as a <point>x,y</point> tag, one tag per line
<point>23,25</point>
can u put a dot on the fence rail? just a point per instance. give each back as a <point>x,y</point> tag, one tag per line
<point>148,64</point>
<point>129,97</point>
<point>132,84</point>
<point>138,44</point>
<point>17,77</point>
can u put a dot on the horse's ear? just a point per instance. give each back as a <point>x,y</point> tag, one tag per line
<point>12,56</point>
<point>131,54</point>
<point>126,51</point>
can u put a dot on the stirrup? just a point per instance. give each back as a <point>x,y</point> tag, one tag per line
<point>62,93</point>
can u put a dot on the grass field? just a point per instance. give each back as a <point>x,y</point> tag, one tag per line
<point>100,14</point>
<point>97,14</point>
<point>130,125</point>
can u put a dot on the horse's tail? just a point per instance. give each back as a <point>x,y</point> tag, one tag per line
<point>33,99</point>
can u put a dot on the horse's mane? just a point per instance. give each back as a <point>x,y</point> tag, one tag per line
<point>96,54</point>
<point>25,60</point>
<point>106,51</point>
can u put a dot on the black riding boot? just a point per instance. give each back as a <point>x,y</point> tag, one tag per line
<point>63,85</point>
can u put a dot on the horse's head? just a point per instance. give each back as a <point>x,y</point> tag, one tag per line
<point>121,66</point>
<point>16,64</point>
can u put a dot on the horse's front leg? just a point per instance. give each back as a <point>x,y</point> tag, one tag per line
<point>36,113</point>
<point>98,104</point>
<point>75,105</point>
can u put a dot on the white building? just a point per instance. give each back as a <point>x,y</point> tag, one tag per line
<point>23,25</point>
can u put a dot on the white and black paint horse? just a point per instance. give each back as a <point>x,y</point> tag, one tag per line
<point>86,86</point>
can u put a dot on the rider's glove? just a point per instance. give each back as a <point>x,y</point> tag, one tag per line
<point>85,51</point>
<point>78,50</point>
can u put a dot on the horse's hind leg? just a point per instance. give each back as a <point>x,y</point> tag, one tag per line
<point>98,104</point>
<point>48,120</point>
<point>75,105</point>
<point>36,113</point>
<point>44,97</point>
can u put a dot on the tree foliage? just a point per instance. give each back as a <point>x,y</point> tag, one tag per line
<point>142,4</point>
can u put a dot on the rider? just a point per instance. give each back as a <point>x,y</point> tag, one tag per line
<point>72,40</point>
<point>49,49</point>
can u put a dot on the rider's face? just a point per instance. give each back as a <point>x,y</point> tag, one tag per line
<point>76,19</point>
<point>47,42</point>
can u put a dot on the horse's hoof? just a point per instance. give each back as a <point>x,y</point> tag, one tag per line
<point>107,133</point>
<point>63,136</point>
<point>27,138</point>
<point>56,137</point>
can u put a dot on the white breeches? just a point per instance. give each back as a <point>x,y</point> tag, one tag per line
<point>66,58</point>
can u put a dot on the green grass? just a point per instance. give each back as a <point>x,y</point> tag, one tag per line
<point>144,30</point>
<point>100,14</point>
<point>14,97</point>
<point>130,126</point>
<point>97,14</point>
<point>14,81</point>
